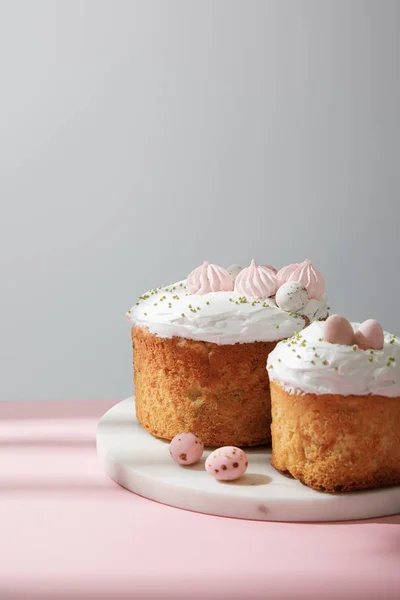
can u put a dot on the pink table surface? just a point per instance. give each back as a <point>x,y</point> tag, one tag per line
<point>67,531</point>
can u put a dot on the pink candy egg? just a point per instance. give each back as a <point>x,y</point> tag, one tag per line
<point>186,448</point>
<point>227,463</point>
<point>337,330</point>
<point>370,335</point>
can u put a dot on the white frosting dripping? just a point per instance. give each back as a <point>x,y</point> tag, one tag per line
<point>220,317</point>
<point>308,364</point>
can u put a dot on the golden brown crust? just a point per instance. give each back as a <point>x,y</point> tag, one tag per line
<point>218,392</point>
<point>336,443</point>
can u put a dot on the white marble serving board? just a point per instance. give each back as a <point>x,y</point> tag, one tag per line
<point>141,463</point>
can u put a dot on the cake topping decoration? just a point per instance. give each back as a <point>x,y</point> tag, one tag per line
<point>256,281</point>
<point>271,268</point>
<point>209,278</point>
<point>284,273</point>
<point>370,335</point>
<point>306,274</point>
<point>337,330</point>
<point>291,296</point>
<point>330,364</point>
<point>234,271</point>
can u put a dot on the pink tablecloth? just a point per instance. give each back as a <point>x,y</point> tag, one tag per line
<point>67,531</point>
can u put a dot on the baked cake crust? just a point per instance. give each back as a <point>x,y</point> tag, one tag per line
<point>218,392</point>
<point>336,443</point>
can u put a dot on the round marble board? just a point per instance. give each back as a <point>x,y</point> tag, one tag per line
<point>141,463</point>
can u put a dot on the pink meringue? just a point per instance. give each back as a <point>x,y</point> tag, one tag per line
<point>312,279</point>
<point>209,278</point>
<point>256,281</point>
<point>271,268</point>
<point>284,273</point>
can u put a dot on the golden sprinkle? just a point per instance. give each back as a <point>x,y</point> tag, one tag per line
<point>298,356</point>
<point>182,314</point>
<point>313,362</point>
<point>271,367</point>
<point>279,360</point>
<point>336,368</point>
<point>324,362</point>
<point>371,358</point>
<point>354,348</point>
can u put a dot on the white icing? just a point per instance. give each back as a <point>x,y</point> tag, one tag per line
<point>220,317</point>
<point>344,370</point>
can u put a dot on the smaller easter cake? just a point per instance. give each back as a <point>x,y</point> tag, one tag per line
<point>335,403</point>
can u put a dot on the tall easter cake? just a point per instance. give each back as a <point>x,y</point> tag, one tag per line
<point>200,347</point>
<point>335,391</point>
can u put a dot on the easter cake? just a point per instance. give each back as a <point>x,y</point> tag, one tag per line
<point>335,396</point>
<point>200,347</point>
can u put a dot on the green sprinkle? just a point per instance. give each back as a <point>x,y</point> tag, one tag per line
<point>279,360</point>
<point>271,367</point>
<point>314,348</point>
<point>328,308</point>
<point>277,326</point>
<point>371,358</point>
<point>190,306</point>
<point>181,285</point>
<point>355,348</point>
<point>293,349</point>
<point>371,351</point>
<point>182,314</point>
<point>392,358</point>
<point>155,303</point>
<point>208,302</point>
<point>230,300</point>
<point>298,356</point>
<point>145,314</point>
<point>320,339</point>
<point>392,341</point>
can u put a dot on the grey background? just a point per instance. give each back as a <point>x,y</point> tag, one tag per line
<point>139,138</point>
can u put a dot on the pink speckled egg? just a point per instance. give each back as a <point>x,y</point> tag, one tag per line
<point>227,463</point>
<point>370,335</point>
<point>186,448</point>
<point>337,330</point>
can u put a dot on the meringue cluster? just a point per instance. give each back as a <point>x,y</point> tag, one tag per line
<point>293,285</point>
